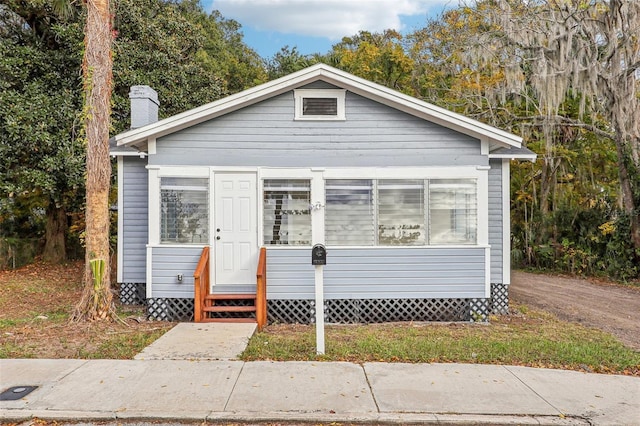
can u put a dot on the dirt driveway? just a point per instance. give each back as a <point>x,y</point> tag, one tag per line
<point>611,308</point>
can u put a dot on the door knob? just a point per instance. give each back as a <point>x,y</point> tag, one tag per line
<point>218,230</point>
<point>218,237</point>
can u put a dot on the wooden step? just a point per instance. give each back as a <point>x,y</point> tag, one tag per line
<point>217,308</point>
<point>230,296</point>
<point>232,320</point>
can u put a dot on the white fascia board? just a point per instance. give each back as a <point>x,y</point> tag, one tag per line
<point>128,154</point>
<point>334,76</point>
<point>506,156</point>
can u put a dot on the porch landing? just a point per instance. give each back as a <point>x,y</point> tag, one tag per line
<point>200,341</point>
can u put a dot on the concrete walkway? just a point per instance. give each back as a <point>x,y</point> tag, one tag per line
<point>183,390</point>
<point>200,341</point>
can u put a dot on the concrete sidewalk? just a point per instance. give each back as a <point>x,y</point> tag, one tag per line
<point>166,390</point>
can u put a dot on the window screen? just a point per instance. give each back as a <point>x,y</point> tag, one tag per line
<point>320,106</point>
<point>286,218</point>
<point>401,217</point>
<point>184,210</point>
<point>397,212</point>
<point>453,211</point>
<point>349,214</point>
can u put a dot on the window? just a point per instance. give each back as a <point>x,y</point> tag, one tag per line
<point>452,211</point>
<point>397,212</point>
<point>401,219</point>
<point>319,104</point>
<point>184,210</point>
<point>287,218</point>
<point>349,213</point>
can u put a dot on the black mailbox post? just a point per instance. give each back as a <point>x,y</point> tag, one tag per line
<point>318,255</point>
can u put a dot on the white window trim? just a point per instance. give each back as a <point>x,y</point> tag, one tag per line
<point>155,173</point>
<point>338,94</point>
<point>317,215</point>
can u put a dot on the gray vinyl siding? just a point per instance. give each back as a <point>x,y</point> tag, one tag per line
<point>168,262</point>
<point>363,273</point>
<point>135,230</point>
<point>495,220</point>
<point>266,134</point>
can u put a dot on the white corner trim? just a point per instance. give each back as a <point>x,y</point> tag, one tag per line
<point>120,243</point>
<point>149,273</point>
<point>487,272</point>
<point>483,208</point>
<point>506,222</point>
<point>154,208</point>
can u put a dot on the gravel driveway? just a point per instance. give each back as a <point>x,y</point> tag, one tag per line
<point>609,307</point>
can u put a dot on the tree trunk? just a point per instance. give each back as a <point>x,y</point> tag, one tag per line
<point>55,250</point>
<point>97,300</point>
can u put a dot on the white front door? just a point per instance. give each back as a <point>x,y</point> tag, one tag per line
<point>235,232</point>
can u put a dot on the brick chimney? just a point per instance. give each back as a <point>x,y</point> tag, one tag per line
<point>144,106</point>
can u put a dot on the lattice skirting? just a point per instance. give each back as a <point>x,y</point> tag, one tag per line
<point>349,311</point>
<point>168,309</point>
<point>500,299</point>
<point>133,293</point>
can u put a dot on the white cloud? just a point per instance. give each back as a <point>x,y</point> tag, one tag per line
<point>332,19</point>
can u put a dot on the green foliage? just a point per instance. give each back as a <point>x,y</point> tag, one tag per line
<point>156,45</point>
<point>288,60</point>
<point>189,57</point>
<point>585,232</point>
<point>378,57</point>
<point>42,167</point>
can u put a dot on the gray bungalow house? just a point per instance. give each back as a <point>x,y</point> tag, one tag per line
<point>219,206</point>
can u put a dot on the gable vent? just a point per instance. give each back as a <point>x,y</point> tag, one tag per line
<point>320,106</point>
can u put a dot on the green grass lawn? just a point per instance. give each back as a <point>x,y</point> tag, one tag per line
<point>526,337</point>
<point>35,303</point>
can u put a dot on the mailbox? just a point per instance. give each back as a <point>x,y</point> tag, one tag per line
<point>318,255</point>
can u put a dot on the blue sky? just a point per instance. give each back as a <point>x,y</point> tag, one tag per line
<point>313,26</point>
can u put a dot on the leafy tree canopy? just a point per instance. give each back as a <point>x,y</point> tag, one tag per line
<point>189,57</point>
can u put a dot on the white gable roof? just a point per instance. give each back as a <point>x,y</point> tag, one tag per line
<point>357,85</point>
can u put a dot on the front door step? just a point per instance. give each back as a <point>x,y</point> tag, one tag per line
<point>230,307</point>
